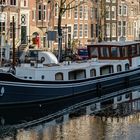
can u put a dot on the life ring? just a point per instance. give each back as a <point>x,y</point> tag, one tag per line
<point>42,59</point>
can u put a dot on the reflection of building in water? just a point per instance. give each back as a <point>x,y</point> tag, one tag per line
<point>85,128</point>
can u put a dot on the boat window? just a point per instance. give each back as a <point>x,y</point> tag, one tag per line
<point>93,52</point>
<point>30,77</point>
<point>59,76</point>
<point>25,77</point>
<point>104,52</point>
<point>93,107</point>
<point>124,51</point>
<point>138,49</point>
<point>119,68</point>
<point>127,66</point>
<point>106,70</point>
<point>77,74</point>
<point>119,98</point>
<point>42,77</point>
<point>114,52</point>
<point>92,72</point>
<point>127,95</point>
<point>134,51</point>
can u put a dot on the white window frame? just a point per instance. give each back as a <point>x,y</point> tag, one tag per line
<point>122,10</point>
<point>81,11</point>
<point>80,30</point>
<point>75,30</point>
<point>114,10</point>
<point>108,10</point>
<point>44,12</point>
<point>114,30</point>
<point>108,29</point>
<point>14,2</point>
<point>86,30</point>
<point>3,2</point>
<point>76,13</point>
<point>85,12</point>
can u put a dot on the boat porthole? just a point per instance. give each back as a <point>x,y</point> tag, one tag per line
<point>2,91</point>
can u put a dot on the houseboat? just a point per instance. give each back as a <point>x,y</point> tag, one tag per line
<point>113,66</point>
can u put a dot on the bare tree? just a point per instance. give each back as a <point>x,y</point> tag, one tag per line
<point>63,6</point>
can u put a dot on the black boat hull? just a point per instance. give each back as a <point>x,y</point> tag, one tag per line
<point>18,92</point>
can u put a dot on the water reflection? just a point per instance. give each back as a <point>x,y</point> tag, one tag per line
<point>119,121</point>
<point>86,128</point>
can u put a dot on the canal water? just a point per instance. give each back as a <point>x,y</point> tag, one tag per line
<point>87,127</point>
<point>114,122</point>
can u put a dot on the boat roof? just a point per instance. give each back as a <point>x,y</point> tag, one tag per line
<point>116,43</point>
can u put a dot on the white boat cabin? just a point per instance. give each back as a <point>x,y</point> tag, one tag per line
<point>116,51</point>
<point>73,71</point>
<point>106,58</point>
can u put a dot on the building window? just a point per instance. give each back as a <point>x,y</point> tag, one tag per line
<point>81,30</point>
<point>114,29</point>
<point>85,12</point>
<point>124,28</point>
<point>81,12</point>
<point>130,28</point>
<point>2,30</point>
<point>23,3</point>
<point>113,12</point>
<point>76,13</point>
<point>85,30</point>
<point>39,12</point>
<point>44,12</point>
<point>123,10</point>
<point>119,28</point>
<point>107,12</point>
<point>2,27</point>
<point>2,2</point>
<point>56,10</point>
<point>23,19</point>
<point>75,30</point>
<point>120,10</point>
<point>12,2</point>
<point>108,29</point>
<point>92,12</point>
